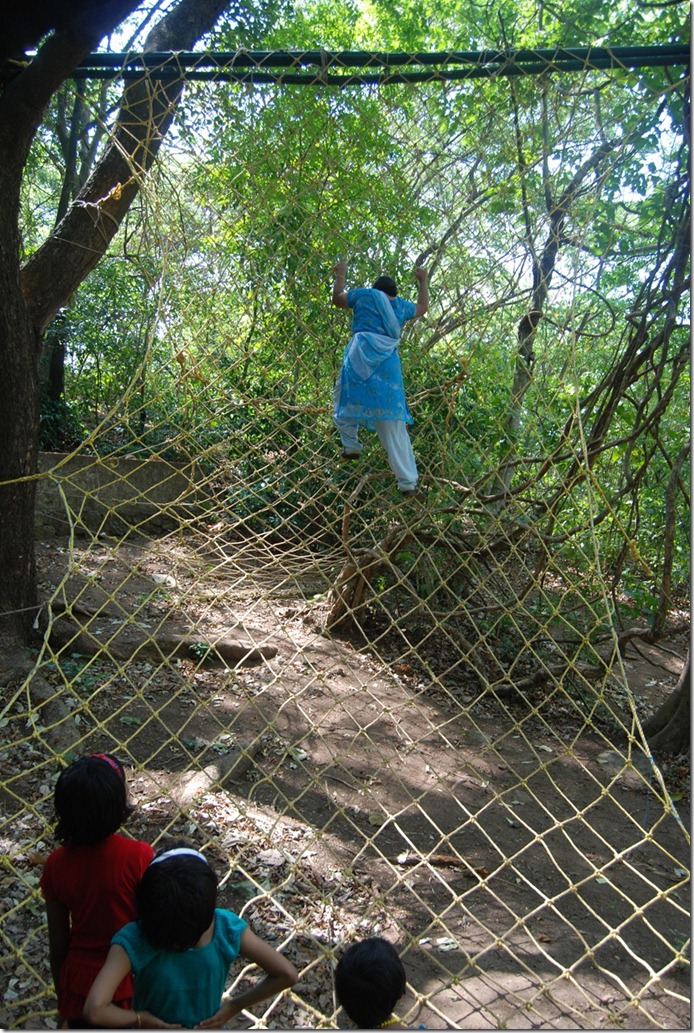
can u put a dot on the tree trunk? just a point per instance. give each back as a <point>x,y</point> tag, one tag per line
<point>29,299</point>
<point>543,271</point>
<point>664,590</point>
<point>668,730</point>
<point>52,363</point>
<point>19,415</point>
<point>22,104</point>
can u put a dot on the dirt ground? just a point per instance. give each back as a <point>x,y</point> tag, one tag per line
<point>530,869</point>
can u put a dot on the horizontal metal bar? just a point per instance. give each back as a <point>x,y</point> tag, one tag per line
<point>484,62</point>
<point>320,78</point>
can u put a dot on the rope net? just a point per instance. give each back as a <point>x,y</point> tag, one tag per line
<point>380,715</point>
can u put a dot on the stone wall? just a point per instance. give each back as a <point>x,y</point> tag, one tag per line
<point>91,494</point>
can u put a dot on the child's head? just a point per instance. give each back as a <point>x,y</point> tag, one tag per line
<point>388,285</point>
<point>91,799</point>
<point>176,898</point>
<point>369,981</point>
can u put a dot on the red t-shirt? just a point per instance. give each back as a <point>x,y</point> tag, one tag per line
<point>97,885</point>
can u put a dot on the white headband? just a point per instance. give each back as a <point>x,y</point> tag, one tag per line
<point>177,852</point>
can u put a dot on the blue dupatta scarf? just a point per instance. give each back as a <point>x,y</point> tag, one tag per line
<point>370,386</point>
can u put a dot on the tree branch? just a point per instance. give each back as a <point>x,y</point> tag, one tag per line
<point>147,110</point>
<point>25,96</point>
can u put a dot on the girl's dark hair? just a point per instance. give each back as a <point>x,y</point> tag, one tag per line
<point>369,981</point>
<point>386,284</point>
<point>91,799</point>
<point>175,900</point>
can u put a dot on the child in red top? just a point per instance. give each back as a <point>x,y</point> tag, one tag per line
<point>89,883</point>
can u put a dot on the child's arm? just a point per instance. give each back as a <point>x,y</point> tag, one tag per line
<point>99,1008</point>
<point>422,275</point>
<point>280,974</point>
<point>339,298</point>
<point>58,917</point>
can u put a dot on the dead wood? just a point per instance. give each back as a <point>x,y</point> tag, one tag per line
<point>443,861</point>
<point>17,674</point>
<point>551,675</point>
<point>648,635</point>
<point>129,642</point>
<point>210,779</point>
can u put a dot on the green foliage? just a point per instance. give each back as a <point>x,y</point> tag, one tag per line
<point>208,332</point>
<point>60,429</point>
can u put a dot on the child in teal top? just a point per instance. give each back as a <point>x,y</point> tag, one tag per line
<point>180,951</point>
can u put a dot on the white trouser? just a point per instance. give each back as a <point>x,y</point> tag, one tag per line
<point>395,438</point>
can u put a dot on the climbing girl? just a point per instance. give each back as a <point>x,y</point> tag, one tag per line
<point>369,391</point>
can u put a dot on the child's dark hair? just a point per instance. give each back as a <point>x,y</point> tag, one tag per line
<point>388,285</point>
<point>91,799</point>
<point>369,981</point>
<point>176,898</point>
